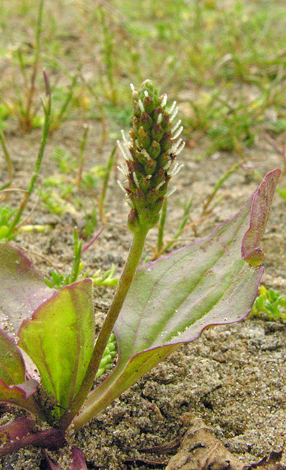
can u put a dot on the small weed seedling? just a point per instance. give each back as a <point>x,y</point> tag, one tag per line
<point>58,280</point>
<point>155,309</point>
<point>271,303</point>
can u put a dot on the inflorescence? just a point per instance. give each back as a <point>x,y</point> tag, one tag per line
<point>149,155</point>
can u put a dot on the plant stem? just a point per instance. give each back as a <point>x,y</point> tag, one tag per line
<point>60,116</point>
<point>81,154</point>
<point>218,185</point>
<point>29,116</point>
<point>164,248</point>
<point>6,155</point>
<point>47,110</point>
<point>161,227</point>
<point>105,184</point>
<point>106,330</point>
<point>109,53</point>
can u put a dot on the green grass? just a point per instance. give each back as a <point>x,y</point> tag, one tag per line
<point>226,63</point>
<point>229,60</point>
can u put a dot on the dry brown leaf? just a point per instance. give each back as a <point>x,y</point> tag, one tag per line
<point>200,450</point>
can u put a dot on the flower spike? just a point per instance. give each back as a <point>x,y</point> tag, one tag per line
<point>149,155</point>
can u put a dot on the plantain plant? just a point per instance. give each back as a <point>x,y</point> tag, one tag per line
<point>155,309</point>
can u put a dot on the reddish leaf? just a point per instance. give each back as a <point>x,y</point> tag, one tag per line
<point>260,211</point>
<point>14,388</point>
<point>22,288</point>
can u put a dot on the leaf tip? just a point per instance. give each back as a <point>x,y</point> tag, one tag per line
<point>260,211</point>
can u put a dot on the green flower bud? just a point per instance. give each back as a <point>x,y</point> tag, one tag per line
<point>150,154</point>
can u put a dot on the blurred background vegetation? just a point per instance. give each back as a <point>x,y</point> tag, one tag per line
<point>224,60</point>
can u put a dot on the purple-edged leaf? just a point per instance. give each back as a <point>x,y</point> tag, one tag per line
<point>11,434</point>
<point>78,461</point>
<point>19,395</point>
<point>23,433</point>
<point>260,211</point>
<point>173,299</point>
<point>22,288</point>
<point>59,339</point>
<point>49,463</point>
<point>14,388</point>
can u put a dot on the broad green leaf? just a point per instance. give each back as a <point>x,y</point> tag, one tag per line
<point>14,388</point>
<point>59,339</point>
<point>12,367</point>
<point>22,288</point>
<point>173,299</point>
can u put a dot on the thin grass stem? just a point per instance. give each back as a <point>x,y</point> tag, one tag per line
<point>105,184</point>
<point>47,111</point>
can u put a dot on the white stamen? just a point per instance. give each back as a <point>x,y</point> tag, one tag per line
<point>122,187</point>
<point>180,148</point>
<point>173,169</point>
<point>168,164</point>
<point>123,171</point>
<point>146,93</point>
<point>174,114</point>
<point>176,126</point>
<point>176,135</point>
<point>127,142</point>
<point>176,146</point>
<point>169,193</point>
<point>141,106</point>
<point>135,179</point>
<point>176,168</point>
<point>148,177</point>
<point>125,155</point>
<point>126,147</point>
<point>172,107</point>
<point>159,185</point>
<point>132,87</point>
<point>164,100</point>
<point>159,118</point>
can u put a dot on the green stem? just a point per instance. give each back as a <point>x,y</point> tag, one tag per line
<point>118,381</point>
<point>66,103</point>
<point>47,110</point>
<point>112,315</point>
<point>162,226</point>
<point>6,155</point>
<point>179,231</point>
<point>218,185</point>
<point>28,116</point>
<point>105,184</point>
<point>81,155</point>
